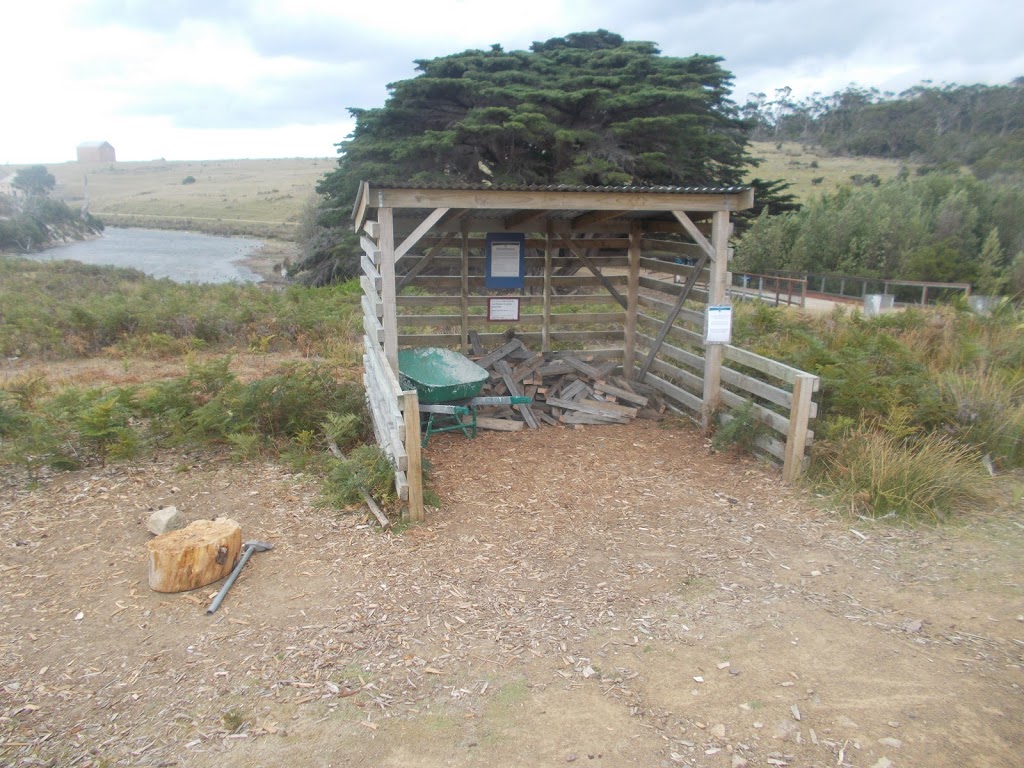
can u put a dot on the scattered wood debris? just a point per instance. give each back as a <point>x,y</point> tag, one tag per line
<point>566,389</point>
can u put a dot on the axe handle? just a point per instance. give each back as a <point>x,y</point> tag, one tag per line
<point>231,580</point>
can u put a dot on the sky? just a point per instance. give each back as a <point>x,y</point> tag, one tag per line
<point>220,79</point>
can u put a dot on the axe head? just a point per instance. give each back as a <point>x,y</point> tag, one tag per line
<point>258,546</point>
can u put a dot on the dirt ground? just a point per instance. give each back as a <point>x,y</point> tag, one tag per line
<point>606,596</point>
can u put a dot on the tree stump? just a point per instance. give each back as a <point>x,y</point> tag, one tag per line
<point>197,555</point>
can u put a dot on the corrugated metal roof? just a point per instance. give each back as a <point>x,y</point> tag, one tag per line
<point>560,188</point>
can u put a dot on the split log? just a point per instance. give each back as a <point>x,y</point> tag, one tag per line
<point>194,556</point>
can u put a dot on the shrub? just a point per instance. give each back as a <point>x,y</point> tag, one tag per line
<point>880,474</point>
<point>189,180</point>
<point>366,468</point>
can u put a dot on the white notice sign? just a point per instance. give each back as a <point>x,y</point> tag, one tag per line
<point>505,259</point>
<point>503,309</point>
<point>718,325</point>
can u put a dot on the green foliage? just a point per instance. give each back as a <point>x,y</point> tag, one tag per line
<point>978,126</point>
<point>189,180</point>
<point>879,474</point>
<point>65,309</point>
<point>945,228</point>
<point>34,181</point>
<point>586,109</point>
<point>365,468</point>
<point>987,411</point>
<point>104,425</point>
<point>741,432</point>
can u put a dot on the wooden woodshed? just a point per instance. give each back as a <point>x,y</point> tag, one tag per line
<point>636,258</point>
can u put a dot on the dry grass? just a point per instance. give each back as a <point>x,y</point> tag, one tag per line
<point>239,192</point>
<point>793,163</point>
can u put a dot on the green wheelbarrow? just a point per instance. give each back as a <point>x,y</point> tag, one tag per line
<point>448,386</point>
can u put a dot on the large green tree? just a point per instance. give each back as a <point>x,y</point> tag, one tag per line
<point>34,181</point>
<point>586,109</point>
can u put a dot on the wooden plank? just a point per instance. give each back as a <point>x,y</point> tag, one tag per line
<point>370,249</point>
<point>577,417</point>
<point>673,289</point>
<point>373,328</point>
<point>621,410</point>
<point>361,206</point>
<point>549,248</point>
<point>765,365</point>
<point>420,231</point>
<point>776,421</point>
<point>683,335</point>
<point>594,269</point>
<point>557,301</point>
<point>562,200</point>
<point>503,368</point>
<point>426,261</point>
<point>696,234</point>
<point>632,300</point>
<point>695,319</point>
<point>579,365</point>
<point>796,437</point>
<point>717,285</point>
<point>694,361</point>
<point>498,425</point>
<point>372,228</point>
<point>414,471</point>
<point>673,313</point>
<point>503,351</point>
<point>671,268</point>
<point>372,296</point>
<point>592,407</point>
<point>371,273</point>
<point>402,486</point>
<point>620,393</point>
<point>757,387</point>
<point>369,310</point>
<point>678,394</point>
<point>464,291</point>
<point>381,517</point>
<point>387,292</point>
<point>669,371</point>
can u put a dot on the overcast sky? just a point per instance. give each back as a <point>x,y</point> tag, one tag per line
<point>214,79</point>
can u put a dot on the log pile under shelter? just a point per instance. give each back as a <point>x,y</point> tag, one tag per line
<point>564,389</point>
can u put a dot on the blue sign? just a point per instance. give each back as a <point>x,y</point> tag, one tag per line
<point>506,260</point>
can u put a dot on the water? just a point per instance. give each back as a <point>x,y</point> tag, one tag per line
<point>184,257</point>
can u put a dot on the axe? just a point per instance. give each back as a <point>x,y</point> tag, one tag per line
<point>247,549</point>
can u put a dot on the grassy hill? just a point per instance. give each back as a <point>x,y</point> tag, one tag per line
<point>256,197</point>
<point>811,171</point>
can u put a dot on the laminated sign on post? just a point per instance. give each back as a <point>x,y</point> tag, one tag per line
<point>503,309</point>
<point>506,260</point>
<point>718,325</point>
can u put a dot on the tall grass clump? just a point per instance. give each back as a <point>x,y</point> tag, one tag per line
<point>878,474</point>
<point>987,411</point>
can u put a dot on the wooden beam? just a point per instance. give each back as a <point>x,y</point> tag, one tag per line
<point>521,218</point>
<point>594,217</point>
<point>593,268</point>
<point>464,297</point>
<point>632,300</point>
<point>717,283</point>
<point>561,200</point>
<point>423,263</point>
<point>414,461</point>
<point>672,315</point>
<point>549,248</point>
<point>695,233</point>
<point>799,415</point>
<point>361,205</point>
<point>414,237</point>
<point>388,292</point>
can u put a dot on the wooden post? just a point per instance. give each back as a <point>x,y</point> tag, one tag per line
<point>632,301</point>
<point>545,331</point>
<point>414,472</point>
<point>465,287</point>
<point>386,221</point>
<point>716,295</point>
<point>799,416</point>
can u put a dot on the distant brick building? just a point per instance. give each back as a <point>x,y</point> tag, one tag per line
<point>96,152</point>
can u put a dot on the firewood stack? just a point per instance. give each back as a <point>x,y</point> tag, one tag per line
<point>566,389</point>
